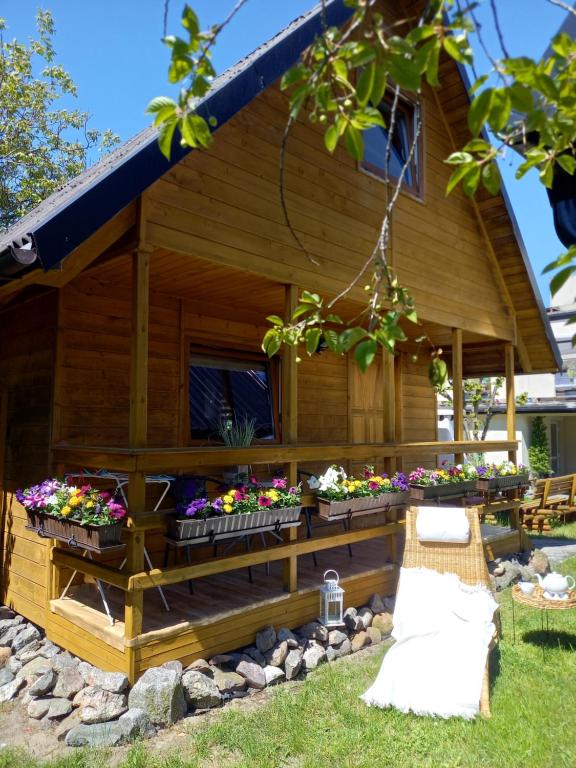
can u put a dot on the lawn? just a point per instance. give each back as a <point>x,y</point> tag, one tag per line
<point>322,722</point>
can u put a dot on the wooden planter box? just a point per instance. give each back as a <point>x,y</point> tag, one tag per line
<point>362,506</point>
<point>73,533</point>
<point>445,489</point>
<point>184,528</point>
<point>502,483</point>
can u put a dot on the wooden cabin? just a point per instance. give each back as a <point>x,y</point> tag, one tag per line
<point>143,267</point>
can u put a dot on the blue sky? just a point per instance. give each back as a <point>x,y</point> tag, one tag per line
<point>113,51</point>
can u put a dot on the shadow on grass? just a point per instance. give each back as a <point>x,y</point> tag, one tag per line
<point>565,641</point>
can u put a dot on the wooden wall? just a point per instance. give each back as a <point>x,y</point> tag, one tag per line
<point>418,415</point>
<point>27,350</point>
<point>224,205</point>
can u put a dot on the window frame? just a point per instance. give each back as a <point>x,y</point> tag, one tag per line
<point>192,347</point>
<point>416,190</point>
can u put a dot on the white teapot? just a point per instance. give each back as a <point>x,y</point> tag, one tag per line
<point>556,584</point>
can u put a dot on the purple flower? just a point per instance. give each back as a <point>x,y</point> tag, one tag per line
<point>217,504</point>
<point>195,506</point>
<point>293,490</point>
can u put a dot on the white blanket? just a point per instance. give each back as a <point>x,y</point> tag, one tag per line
<point>442,524</point>
<point>442,629</point>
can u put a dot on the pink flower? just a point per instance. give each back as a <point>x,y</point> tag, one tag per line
<point>279,482</point>
<point>264,501</point>
<point>373,486</point>
<point>253,480</point>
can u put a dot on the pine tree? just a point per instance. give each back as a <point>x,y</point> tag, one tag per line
<point>539,450</point>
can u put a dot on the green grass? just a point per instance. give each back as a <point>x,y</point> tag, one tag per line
<point>566,531</point>
<point>322,723</point>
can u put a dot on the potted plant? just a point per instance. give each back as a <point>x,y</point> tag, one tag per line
<point>237,433</point>
<point>503,476</point>
<point>454,480</point>
<point>81,516</point>
<point>245,508</point>
<point>338,494</point>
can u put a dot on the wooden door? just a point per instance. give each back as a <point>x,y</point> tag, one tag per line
<point>365,408</point>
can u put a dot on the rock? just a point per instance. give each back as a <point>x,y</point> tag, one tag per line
<point>61,727</point>
<point>337,651</point>
<point>200,691</point>
<point>34,668</point>
<point>29,653</point>
<point>14,665</point>
<point>359,640</point>
<point>384,622</point>
<point>256,656</point>
<point>159,693</point>
<point>375,635</point>
<point>352,621</point>
<point>49,650</point>
<point>58,708</point>
<point>539,562</point>
<point>43,684</point>
<point>100,735</point>
<point>99,706</point>
<point>336,636</point>
<point>26,636</point>
<point>9,690</point>
<point>115,682</point>
<point>6,676</point>
<point>223,660</point>
<point>69,682</point>
<point>274,675</point>
<point>390,603</point>
<point>136,723</point>
<point>201,665</point>
<point>33,645</point>
<point>276,656</point>
<point>6,613</point>
<point>174,664</point>
<point>314,654</point>
<point>265,639</point>
<point>6,624</point>
<point>293,663</point>
<point>65,660</point>
<point>229,682</point>
<point>499,570</point>
<point>314,631</point>
<point>286,635</point>
<point>10,635</point>
<point>252,673</point>
<point>376,604</point>
<point>366,615</point>
<point>5,654</point>
<point>38,708</point>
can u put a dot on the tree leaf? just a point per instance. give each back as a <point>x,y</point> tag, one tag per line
<point>310,298</point>
<point>354,142</point>
<point>458,175</point>
<point>404,72</point>
<point>332,340</point>
<point>331,138</point>
<point>437,372</point>
<point>479,111</point>
<point>491,178</point>
<point>158,103</point>
<point>560,278</point>
<point>379,84</point>
<point>365,84</point>
<point>365,353</point>
<point>165,134</point>
<point>351,336</point>
<point>275,320</point>
<point>567,162</point>
<point>500,107</point>
<point>312,337</point>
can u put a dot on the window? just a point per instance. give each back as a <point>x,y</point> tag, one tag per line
<point>223,387</point>
<point>376,139</point>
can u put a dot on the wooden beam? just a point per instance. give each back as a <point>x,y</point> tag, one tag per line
<point>108,575</point>
<point>509,360</point>
<point>389,403</point>
<point>457,389</point>
<point>290,374</point>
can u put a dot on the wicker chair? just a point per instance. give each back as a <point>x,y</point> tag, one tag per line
<point>467,561</point>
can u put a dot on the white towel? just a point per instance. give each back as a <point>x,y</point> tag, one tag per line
<point>443,630</point>
<point>448,524</point>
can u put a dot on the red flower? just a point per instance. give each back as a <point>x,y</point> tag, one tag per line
<point>264,501</point>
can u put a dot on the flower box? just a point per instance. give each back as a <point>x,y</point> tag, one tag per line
<point>364,505</point>
<point>93,537</point>
<point>211,527</point>
<point>443,489</point>
<point>503,482</point>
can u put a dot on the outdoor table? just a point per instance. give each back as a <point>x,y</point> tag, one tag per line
<point>541,603</point>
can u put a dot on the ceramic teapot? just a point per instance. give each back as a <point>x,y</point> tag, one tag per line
<point>556,583</point>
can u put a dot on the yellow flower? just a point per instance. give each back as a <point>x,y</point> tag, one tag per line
<point>89,504</point>
<point>273,495</point>
<point>228,499</point>
<point>385,481</point>
<point>65,511</point>
<point>74,501</point>
<point>227,507</point>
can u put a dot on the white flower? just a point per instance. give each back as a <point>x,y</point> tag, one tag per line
<point>313,483</point>
<point>329,480</point>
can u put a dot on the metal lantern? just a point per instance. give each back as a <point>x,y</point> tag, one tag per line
<point>331,601</point>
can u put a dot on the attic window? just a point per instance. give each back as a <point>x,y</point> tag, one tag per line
<point>376,139</point>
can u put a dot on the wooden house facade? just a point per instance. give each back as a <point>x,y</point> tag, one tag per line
<point>143,263</point>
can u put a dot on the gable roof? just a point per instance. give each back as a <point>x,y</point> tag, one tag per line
<point>70,215</point>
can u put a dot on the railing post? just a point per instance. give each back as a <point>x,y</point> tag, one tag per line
<point>509,366</point>
<point>457,391</point>
<point>389,403</point>
<point>290,426</point>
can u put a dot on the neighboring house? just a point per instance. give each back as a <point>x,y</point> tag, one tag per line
<point>139,325</point>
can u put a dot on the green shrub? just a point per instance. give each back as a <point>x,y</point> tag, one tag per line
<point>539,450</point>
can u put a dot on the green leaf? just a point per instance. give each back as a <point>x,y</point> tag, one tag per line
<point>165,134</point>
<point>437,372</point>
<point>491,178</point>
<point>501,105</point>
<point>477,145</point>
<point>479,111</point>
<point>332,340</point>
<point>420,33</point>
<point>379,84</point>
<point>478,84</point>
<point>190,21</point>
<point>564,258</point>
<point>310,298</point>
<point>294,75</point>
<point>567,162</point>
<point>351,336</point>
<point>404,72</point>
<point>365,84</point>
<point>333,318</point>
<point>312,337</point>
<point>412,316</point>
<point>460,173</point>
<point>522,99</point>
<point>275,320</point>
<point>158,103</point>
<point>547,175</point>
<point>354,142</point>
<point>458,158</point>
<point>455,51</point>
<point>431,70</point>
<point>331,138</point>
<point>300,310</point>
<point>560,278</point>
<point>179,69</point>
<point>271,342</point>
<point>365,353</point>
<point>471,180</point>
